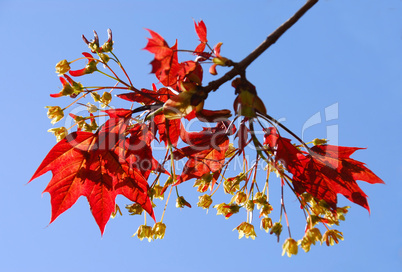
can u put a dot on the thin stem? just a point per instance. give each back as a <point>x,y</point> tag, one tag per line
<point>75,101</point>
<point>167,200</point>
<point>177,191</point>
<point>160,172</point>
<point>122,68</point>
<point>97,88</point>
<point>267,183</point>
<point>114,78</point>
<point>257,143</point>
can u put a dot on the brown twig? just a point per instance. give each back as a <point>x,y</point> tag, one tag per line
<point>270,40</point>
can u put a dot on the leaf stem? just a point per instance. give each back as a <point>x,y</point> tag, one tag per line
<point>167,200</point>
<point>122,68</point>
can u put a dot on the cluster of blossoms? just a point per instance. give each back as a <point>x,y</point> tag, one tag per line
<point>120,151</point>
<point>150,233</point>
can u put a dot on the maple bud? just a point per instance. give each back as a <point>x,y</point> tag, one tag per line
<point>266,209</point>
<point>314,235</point>
<point>104,57</point>
<point>55,113</point>
<point>250,205</point>
<point>232,185</point>
<point>204,201</point>
<point>89,128</point>
<point>96,97</point>
<point>158,192</point>
<point>62,67</point>
<point>169,181</point>
<point>246,229</point>
<point>134,209</point>
<point>71,87</point>
<point>317,141</point>
<point>247,103</point>
<point>341,211</point>
<point>266,224</point>
<point>290,247</point>
<point>91,67</point>
<point>67,90</point>
<point>159,230</point>
<point>278,169</point>
<point>151,192</point>
<point>108,45</point>
<point>94,44</point>
<point>331,217</point>
<point>105,99</point>
<point>231,151</point>
<point>305,243</point>
<point>331,237</point>
<point>92,108</point>
<point>226,209</point>
<point>144,231</point>
<point>179,105</point>
<point>240,197</point>
<point>305,198</point>
<point>116,210</point>
<point>260,199</point>
<point>60,133</point>
<point>310,237</point>
<point>203,183</point>
<point>324,204</point>
<point>316,208</point>
<point>313,220</point>
<point>276,229</point>
<point>181,202</point>
<point>221,61</point>
<point>79,120</point>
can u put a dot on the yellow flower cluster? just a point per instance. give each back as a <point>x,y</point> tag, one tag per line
<point>151,233</point>
<point>290,247</point>
<point>204,201</point>
<point>246,229</point>
<point>55,113</point>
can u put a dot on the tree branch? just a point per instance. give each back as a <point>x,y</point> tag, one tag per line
<point>270,40</point>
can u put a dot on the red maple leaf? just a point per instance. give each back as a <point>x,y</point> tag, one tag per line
<point>329,170</point>
<point>285,152</point>
<point>325,171</point>
<point>165,64</point>
<point>191,71</point>
<point>169,130</point>
<point>201,31</point>
<point>139,151</point>
<point>206,151</point>
<point>158,46</point>
<point>95,166</point>
<point>150,97</point>
<point>168,69</point>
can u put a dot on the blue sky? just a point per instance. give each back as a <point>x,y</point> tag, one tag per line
<point>341,62</point>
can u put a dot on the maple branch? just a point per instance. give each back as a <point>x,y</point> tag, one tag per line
<point>240,67</point>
